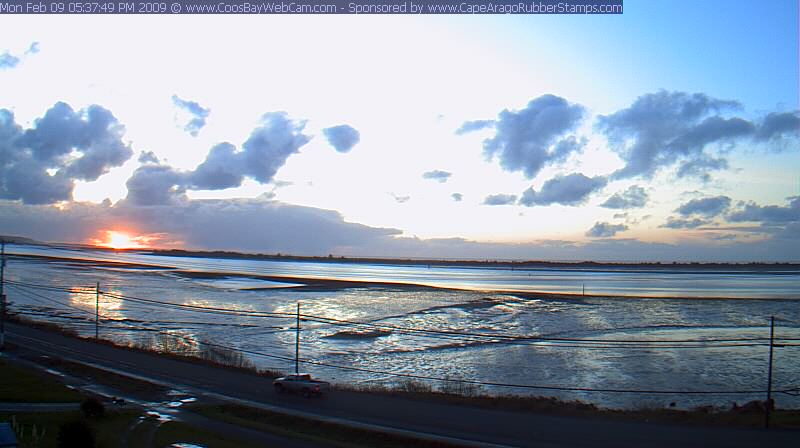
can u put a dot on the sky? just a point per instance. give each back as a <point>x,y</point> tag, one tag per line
<point>668,133</point>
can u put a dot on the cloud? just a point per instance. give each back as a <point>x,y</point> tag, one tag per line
<point>8,61</point>
<point>572,189</point>
<point>400,199</point>
<point>197,112</point>
<point>768,214</point>
<point>260,157</point>
<point>605,230</point>
<point>661,128</point>
<point>232,224</point>
<point>457,197</point>
<point>634,197</point>
<point>342,137</point>
<point>223,168</point>
<point>708,207</point>
<point>271,144</point>
<point>474,125</point>
<point>156,185</point>
<point>148,157</point>
<point>33,48</point>
<point>437,175</point>
<point>39,165</point>
<point>778,124</point>
<point>500,199</point>
<point>699,167</point>
<point>681,223</point>
<point>529,139</point>
<point>260,225</point>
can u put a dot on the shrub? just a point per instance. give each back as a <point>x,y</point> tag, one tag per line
<point>76,434</point>
<point>92,407</point>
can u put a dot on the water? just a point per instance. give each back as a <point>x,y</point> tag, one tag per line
<point>494,301</point>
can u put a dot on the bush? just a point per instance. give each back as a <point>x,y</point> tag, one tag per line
<point>76,434</point>
<point>92,407</point>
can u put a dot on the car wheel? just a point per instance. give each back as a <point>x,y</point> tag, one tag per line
<point>306,393</point>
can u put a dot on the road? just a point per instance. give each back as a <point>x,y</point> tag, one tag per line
<point>442,421</point>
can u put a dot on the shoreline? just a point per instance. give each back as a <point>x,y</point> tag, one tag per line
<point>580,265</point>
<point>316,284</point>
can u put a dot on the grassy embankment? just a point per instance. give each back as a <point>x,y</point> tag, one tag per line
<point>466,394</point>
<point>24,384</point>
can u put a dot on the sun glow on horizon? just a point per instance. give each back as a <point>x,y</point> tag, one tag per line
<point>119,240</point>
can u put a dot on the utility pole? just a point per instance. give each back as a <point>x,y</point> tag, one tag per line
<point>769,372</point>
<point>297,343</point>
<point>2,294</point>
<point>97,312</point>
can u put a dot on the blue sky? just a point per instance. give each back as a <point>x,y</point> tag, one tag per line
<point>669,132</point>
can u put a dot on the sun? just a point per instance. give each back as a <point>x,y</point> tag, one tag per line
<point>119,240</point>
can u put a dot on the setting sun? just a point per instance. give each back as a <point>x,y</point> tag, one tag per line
<point>119,240</point>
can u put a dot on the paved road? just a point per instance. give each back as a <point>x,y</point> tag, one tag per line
<point>481,426</point>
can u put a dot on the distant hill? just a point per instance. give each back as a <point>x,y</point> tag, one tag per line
<point>10,239</point>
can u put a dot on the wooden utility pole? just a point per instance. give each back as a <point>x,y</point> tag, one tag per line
<point>2,294</point>
<point>768,404</point>
<point>97,311</point>
<point>297,342</point>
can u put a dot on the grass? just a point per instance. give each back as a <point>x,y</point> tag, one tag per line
<point>176,432</point>
<point>747,416</point>
<point>138,388</point>
<point>166,345</point>
<point>25,385</point>
<point>312,430</point>
<point>452,392</point>
<point>108,429</point>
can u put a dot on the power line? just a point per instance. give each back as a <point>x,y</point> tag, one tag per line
<point>497,338</point>
<point>463,381</point>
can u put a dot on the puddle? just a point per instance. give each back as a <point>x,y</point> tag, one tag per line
<point>159,416</point>
<point>174,392</point>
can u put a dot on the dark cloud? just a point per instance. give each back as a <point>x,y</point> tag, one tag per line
<point>529,139</point>
<point>500,199</point>
<point>708,207</point>
<point>605,230</point>
<point>474,125</point>
<point>197,112</point>
<point>234,224</point>
<point>437,175</point>
<point>700,167</point>
<point>572,189</point>
<point>223,168</point>
<point>457,197</point>
<point>768,214</point>
<point>148,157</point>
<point>271,144</point>
<point>778,124</point>
<point>156,185</point>
<point>258,225</point>
<point>633,197</point>
<point>681,223</point>
<point>342,137</point>
<point>39,165</point>
<point>660,129</point>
